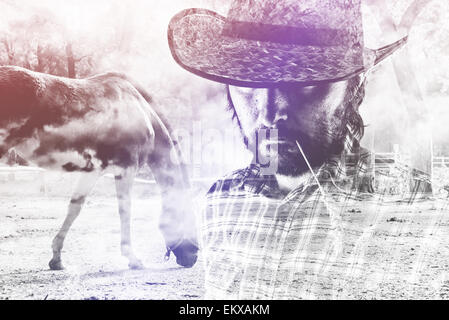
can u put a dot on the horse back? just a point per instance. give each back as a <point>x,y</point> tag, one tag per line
<point>103,114</point>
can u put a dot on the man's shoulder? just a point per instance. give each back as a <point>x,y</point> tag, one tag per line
<point>232,181</point>
<point>249,180</point>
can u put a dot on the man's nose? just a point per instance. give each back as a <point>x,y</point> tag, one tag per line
<point>275,105</point>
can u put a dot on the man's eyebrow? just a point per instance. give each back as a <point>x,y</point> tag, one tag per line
<point>295,86</point>
<point>244,89</point>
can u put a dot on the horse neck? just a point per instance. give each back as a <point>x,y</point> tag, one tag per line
<point>172,180</point>
<point>177,219</point>
<point>165,160</point>
<point>168,169</point>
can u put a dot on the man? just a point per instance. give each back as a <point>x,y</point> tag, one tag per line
<point>295,75</point>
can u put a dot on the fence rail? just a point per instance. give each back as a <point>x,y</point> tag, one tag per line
<point>381,158</point>
<point>440,162</point>
<point>391,158</point>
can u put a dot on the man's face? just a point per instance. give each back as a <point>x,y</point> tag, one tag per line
<point>312,116</point>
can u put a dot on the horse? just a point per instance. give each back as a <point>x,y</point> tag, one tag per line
<point>104,123</point>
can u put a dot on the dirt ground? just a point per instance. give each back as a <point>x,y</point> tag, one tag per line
<point>91,255</point>
<point>407,255</point>
<point>399,251</point>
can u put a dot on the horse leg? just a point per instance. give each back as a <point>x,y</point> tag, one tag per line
<point>123,185</point>
<point>85,184</point>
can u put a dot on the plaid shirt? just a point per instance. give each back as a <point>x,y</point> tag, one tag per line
<point>260,243</point>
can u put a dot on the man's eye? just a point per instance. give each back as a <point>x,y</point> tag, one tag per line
<point>308,90</point>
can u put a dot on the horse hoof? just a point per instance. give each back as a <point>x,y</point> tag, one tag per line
<point>55,265</point>
<point>136,265</point>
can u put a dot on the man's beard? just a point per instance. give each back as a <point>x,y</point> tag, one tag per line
<point>289,159</point>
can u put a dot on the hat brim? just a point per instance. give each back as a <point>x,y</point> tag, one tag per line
<point>197,44</point>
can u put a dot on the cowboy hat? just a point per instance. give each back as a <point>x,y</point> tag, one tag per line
<point>269,42</point>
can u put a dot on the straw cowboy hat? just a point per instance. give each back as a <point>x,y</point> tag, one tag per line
<point>269,42</point>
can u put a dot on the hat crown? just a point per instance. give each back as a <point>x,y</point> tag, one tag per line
<point>342,18</point>
<point>333,14</point>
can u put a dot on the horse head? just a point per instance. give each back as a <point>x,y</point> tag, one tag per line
<point>178,226</point>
